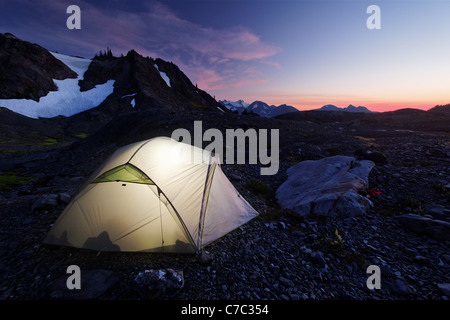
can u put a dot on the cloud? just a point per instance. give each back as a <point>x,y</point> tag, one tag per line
<point>212,57</point>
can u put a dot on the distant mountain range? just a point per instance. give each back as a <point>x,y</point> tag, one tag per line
<point>350,108</point>
<point>257,107</point>
<point>269,111</point>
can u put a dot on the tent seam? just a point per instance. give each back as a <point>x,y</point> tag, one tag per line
<point>205,198</point>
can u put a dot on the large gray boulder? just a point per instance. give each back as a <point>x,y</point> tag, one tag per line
<point>327,187</point>
<point>437,229</point>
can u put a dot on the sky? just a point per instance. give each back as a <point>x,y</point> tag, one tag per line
<point>297,52</point>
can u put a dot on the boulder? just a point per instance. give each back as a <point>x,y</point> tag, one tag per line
<point>415,222</point>
<point>401,288</point>
<point>437,229</point>
<point>94,283</point>
<point>45,202</point>
<point>205,257</point>
<point>158,283</point>
<point>445,288</point>
<point>327,187</point>
<point>437,212</point>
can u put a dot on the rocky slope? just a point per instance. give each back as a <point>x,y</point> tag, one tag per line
<point>279,255</point>
<point>28,70</point>
<point>140,78</point>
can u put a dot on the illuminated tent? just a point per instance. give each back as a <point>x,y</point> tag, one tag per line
<point>157,195</point>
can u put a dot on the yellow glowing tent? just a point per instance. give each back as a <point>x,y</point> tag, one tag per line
<point>157,195</point>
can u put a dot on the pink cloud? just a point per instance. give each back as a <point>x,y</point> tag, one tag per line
<point>215,58</point>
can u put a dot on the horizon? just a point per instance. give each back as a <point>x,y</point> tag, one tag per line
<point>331,104</point>
<point>300,53</point>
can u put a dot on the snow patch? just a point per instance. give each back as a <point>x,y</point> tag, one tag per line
<point>128,95</point>
<point>68,100</point>
<point>164,76</point>
<point>133,103</point>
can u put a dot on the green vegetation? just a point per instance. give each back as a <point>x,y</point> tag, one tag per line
<point>334,244</point>
<point>47,141</point>
<point>198,106</point>
<point>399,206</point>
<point>82,135</point>
<point>333,150</point>
<point>259,188</point>
<point>271,215</point>
<point>10,179</point>
<point>10,151</point>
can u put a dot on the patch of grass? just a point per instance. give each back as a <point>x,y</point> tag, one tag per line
<point>425,163</point>
<point>333,150</point>
<point>336,245</point>
<point>259,188</point>
<point>82,135</point>
<point>365,139</point>
<point>198,106</point>
<point>399,206</point>
<point>442,189</point>
<point>271,215</point>
<point>356,257</point>
<point>409,202</point>
<point>9,151</point>
<point>296,158</point>
<point>368,142</point>
<point>333,244</point>
<point>11,179</point>
<point>47,141</point>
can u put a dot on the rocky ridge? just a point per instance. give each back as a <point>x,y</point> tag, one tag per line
<point>28,70</point>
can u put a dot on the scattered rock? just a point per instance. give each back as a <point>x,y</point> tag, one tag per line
<point>400,288</point>
<point>235,177</point>
<point>436,211</point>
<point>317,257</point>
<point>94,283</point>
<point>376,157</point>
<point>422,260</point>
<point>415,222</point>
<point>46,202</point>
<point>439,230</point>
<point>445,288</point>
<point>159,283</point>
<point>205,257</point>
<point>64,198</point>
<point>436,229</point>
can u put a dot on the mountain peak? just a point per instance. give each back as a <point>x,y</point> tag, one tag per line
<point>28,70</point>
<point>258,107</point>
<point>350,108</point>
<point>70,85</point>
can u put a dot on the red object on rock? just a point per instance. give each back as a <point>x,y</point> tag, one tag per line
<point>372,193</point>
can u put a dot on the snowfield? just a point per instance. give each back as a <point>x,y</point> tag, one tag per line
<point>164,76</point>
<point>68,100</point>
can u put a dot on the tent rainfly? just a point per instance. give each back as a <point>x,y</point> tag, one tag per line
<point>158,195</point>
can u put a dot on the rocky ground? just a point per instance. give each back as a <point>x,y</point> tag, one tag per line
<point>277,256</point>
